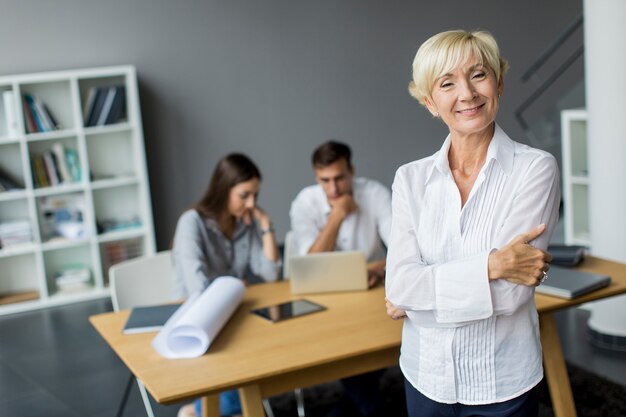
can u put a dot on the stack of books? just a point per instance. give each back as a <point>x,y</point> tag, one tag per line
<point>56,166</point>
<point>105,105</point>
<point>73,278</point>
<point>38,116</point>
<point>118,251</point>
<point>15,233</point>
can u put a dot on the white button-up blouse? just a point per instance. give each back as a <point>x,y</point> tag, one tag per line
<point>466,339</point>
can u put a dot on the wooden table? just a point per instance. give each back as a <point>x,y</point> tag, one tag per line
<point>354,335</point>
<point>554,363</point>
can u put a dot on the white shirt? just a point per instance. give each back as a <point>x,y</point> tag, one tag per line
<point>466,339</point>
<point>362,230</point>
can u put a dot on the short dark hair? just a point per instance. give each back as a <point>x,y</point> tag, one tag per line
<point>330,152</point>
<point>231,170</point>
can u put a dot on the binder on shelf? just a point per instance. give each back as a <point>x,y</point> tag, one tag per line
<point>10,113</point>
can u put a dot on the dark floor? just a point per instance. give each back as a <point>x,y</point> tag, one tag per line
<point>53,363</point>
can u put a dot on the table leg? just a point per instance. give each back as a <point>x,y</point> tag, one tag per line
<point>211,405</point>
<point>251,401</point>
<point>555,369</point>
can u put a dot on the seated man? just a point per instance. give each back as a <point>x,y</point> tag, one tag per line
<point>345,213</point>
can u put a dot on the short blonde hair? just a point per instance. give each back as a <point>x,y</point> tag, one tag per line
<point>446,51</point>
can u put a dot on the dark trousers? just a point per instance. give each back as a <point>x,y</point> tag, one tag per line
<point>418,405</point>
<point>363,391</point>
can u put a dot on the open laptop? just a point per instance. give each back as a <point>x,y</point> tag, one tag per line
<point>328,272</point>
<point>571,283</point>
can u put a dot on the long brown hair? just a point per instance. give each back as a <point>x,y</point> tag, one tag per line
<point>231,170</point>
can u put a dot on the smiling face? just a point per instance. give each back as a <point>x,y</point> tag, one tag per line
<point>335,179</point>
<point>466,99</point>
<point>242,197</point>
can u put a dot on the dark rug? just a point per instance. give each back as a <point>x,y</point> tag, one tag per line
<point>594,397</point>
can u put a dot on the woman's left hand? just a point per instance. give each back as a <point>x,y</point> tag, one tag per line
<point>394,312</point>
<point>258,214</point>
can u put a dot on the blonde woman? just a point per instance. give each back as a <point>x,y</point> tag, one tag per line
<point>470,225</point>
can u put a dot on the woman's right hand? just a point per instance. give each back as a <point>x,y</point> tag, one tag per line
<point>394,312</point>
<point>520,263</point>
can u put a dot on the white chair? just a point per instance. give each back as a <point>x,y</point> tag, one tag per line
<point>288,251</point>
<point>147,280</point>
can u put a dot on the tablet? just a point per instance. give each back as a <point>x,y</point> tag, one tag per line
<point>288,310</point>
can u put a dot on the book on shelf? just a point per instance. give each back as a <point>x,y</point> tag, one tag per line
<point>29,119</point>
<point>117,251</point>
<point>96,108</point>
<point>73,165</point>
<point>51,170</point>
<point>13,233</point>
<point>55,166</point>
<point>8,182</point>
<point>105,105</point>
<point>35,110</point>
<point>116,224</point>
<point>91,98</point>
<point>39,171</point>
<point>10,114</point>
<point>73,278</point>
<point>58,151</point>
<point>118,108</point>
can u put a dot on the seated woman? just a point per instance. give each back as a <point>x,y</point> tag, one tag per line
<point>225,233</point>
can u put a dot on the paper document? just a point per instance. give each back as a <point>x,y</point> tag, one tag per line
<point>193,327</point>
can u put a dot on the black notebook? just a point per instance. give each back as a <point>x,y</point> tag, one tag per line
<point>571,283</point>
<point>567,255</point>
<point>149,318</point>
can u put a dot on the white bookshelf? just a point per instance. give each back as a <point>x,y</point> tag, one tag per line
<point>112,195</point>
<point>575,177</point>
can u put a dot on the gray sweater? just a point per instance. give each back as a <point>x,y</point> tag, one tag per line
<point>202,253</point>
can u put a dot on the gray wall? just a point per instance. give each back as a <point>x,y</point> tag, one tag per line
<point>270,78</point>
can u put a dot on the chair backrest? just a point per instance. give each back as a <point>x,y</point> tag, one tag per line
<point>142,281</point>
<point>289,251</point>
